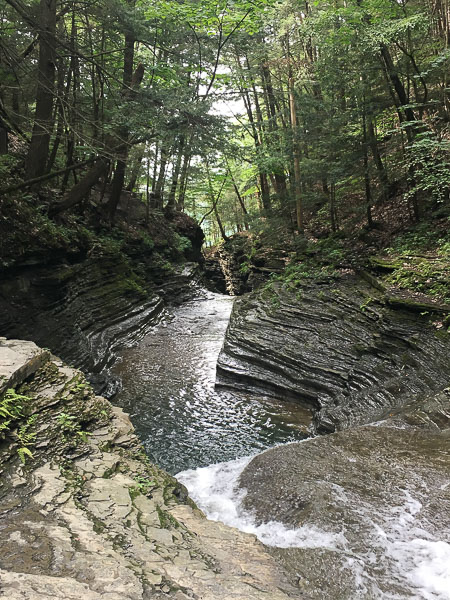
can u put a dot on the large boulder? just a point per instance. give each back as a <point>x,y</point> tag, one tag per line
<point>370,506</point>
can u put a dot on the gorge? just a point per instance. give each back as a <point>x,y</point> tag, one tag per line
<point>224,300</point>
<point>289,364</point>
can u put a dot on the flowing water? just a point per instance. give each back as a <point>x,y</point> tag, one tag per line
<point>168,390</point>
<point>208,436</point>
<point>393,548</point>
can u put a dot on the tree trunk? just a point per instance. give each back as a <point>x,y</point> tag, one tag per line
<point>239,197</point>
<point>159,187</point>
<point>62,98</point>
<point>381,170</point>
<point>170,206</point>
<point>80,190</point>
<point>279,178</point>
<point>40,139</point>
<point>257,130</point>
<point>136,171</point>
<point>333,211</point>
<point>296,157</point>
<point>123,133</point>
<point>183,181</point>
<point>366,169</point>
<point>397,84</point>
<point>3,137</point>
<point>147,192</point>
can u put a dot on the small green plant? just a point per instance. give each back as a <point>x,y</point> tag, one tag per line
<point>182,244</point>
<point>366,303</point>
<point>111,245</point>
<point>147,240</point>
<point>143,486</point>
<point>70,427</point>
<point>80,387</point>
<point>12,408</point>
<point>244,269</point>
<point>23,453</point>
<point>26,438</point>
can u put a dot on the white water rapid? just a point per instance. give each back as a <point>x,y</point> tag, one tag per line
<point>396,546</point>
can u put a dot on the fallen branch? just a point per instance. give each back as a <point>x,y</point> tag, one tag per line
<point>29,182</point>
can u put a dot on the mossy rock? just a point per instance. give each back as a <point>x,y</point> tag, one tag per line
<point>384,264</point>
<point>416,305</point>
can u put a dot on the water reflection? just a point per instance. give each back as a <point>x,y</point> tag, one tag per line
<point>168,389</point>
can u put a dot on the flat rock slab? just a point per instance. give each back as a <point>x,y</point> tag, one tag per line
<point>370,506</point>
<point>18,360</point>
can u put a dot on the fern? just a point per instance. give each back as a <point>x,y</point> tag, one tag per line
<point>12,408</point>
<point>23,452</point>
<point>25,436</point>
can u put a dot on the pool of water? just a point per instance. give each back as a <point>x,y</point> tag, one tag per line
<point>168,390</point>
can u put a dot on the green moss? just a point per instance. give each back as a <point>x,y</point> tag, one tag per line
<point>98,525</point>
<point>74,480</point>
<point>166,519</point>
<point>111,471</point>
<point>384,263</point>
<point>442,334</point>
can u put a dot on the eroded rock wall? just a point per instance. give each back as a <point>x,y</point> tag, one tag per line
<point>83,288</point>
<point>247,263</point>
<point>334,348</point>
<point>85,311</point>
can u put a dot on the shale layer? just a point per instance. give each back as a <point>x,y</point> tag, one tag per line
<point>333,347</point>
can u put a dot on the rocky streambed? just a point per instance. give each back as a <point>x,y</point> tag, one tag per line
<point>357,514</point>
<point>88,516</point>
<point>169,390</point>
<point>361,512</point>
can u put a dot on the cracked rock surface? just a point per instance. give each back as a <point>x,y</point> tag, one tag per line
<point>90,517</point>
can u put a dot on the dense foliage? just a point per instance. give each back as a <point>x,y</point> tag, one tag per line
<point>243,113</point>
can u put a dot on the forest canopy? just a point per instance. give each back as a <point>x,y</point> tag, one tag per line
<point>239,112</point>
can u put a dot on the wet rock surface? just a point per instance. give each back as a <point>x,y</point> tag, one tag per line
<point>86,311</point>
<point>90,517</point>
<point>375,499</point>
<point>247,264</point>
<point>168,391</point>
<point>334,348</point>
<point>214,276</point>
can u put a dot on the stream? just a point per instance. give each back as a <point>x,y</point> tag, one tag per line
<point>350,549</point>
<point>168,390</point>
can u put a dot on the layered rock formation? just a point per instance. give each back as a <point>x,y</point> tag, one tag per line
<point>333,348</point>
<point>247,263</point>
<point>86,311</point>
<point>89,517</point>
<point>94,295</point>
